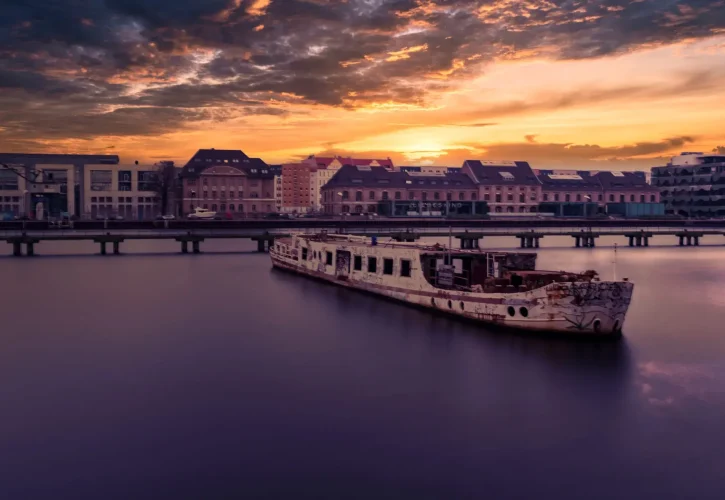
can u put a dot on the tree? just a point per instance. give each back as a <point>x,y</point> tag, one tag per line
<point>165,182</point>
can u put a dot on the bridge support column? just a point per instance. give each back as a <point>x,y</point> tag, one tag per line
<point>689,241</point>
<point>631,241</point>
<point>116,249</point>
<point>577,241</point>
<point>260,246</point>
<point>536,242</point>
<point>17,249</point>
<point>682,241</point>
<point>697,241</point>
<point>646,241</point>
<point>195,246</point>
<point>184,246</point>
<point>639,241</point>
<point>103,248</point>
<point>30,249</point>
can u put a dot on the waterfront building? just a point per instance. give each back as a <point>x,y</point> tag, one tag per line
<point>327,167</point>
<point>507,186</point>
<point>41,185</point>
<point>692,184</point>
<point>430,169</point>
<point>123,190</point>
<point>227,181</point>
<point>365,189</point>
<point>299,192</point>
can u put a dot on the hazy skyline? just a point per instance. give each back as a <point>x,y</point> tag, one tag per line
<point>560,83</point>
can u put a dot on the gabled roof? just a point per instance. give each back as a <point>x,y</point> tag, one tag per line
<point>569,180</point>
<point>251,167</point>
<point>613,181</point>
<point>325,161</point>
<point>352,176</point>
<point>490,173</point>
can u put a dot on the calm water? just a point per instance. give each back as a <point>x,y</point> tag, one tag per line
<point>212,376</point>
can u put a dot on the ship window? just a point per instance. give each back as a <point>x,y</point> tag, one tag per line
<point>524,312</point>
<point>388,266</point>
<point>462,306</point>
<point>358,263</point>
<point>328,258</point>
<point>304,254</point>
<point>511,311</point>
<point>372,264</point>
<point>405,268</point>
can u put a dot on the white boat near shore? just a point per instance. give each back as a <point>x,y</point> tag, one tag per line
<point>498,288</point>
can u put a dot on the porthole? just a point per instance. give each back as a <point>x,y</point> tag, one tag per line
<point>450,305</point>
<point>511,311</point>
<point>524,312</point>
<point>462,306</point>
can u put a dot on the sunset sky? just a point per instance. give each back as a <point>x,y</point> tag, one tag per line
<point>614,84</point>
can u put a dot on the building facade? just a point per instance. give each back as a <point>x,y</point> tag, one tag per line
<point>692,184</point>
<point>42,185</point>
<point>127,191</point>
<point>299,188</point>
<point>229,182</point>
<point>364,189</point>
<point>507,186</point>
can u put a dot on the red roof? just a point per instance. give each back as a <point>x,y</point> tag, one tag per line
<point>324,162</point>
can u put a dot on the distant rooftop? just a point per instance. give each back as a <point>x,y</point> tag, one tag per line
<point>63,159</point>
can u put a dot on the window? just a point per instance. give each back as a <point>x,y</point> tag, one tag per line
<point>621,198</point>
<point>601,197</point>
<point>449,196</point>
<point>567,197</point>
<point>328,258</point>
<point>556,196</point>
<point>522,198</point>
<point>652,198</point>
<point>498,197</point>
<point>487,197</point>
<point>372,195</point>
<point>345,195</point>
<point>411,195</point>
<point>424,196</point>
<point>358,196</point>
<point>405,268</point>
<point>546,196</point>
<point>304,253</point>
<point>611,197</point>
<point>213,207</point>
<point>357,263</point>
<point>388,266</point>
<point>641,198</point>
<point>436,196</point>
<point>397,195</point>
<point>461,196</point>
<point>372,265</point>
<point>631,197</point>
<point>510,197</point>
<point>474,196</point>
<point>578,197</point>
<point>231,207</point>
<point>385,195</point>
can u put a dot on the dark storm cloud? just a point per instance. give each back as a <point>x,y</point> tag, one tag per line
<point>332,52</point>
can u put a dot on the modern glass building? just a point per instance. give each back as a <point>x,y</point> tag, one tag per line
<point>692,184</point>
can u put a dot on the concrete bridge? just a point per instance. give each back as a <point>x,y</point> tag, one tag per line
<point>110,240</point>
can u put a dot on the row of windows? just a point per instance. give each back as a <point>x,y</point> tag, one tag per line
<point>223,195</point>
<point>509,197</point>
<point>600,197</point>
<point>372,263</point>
<point>399,196</point>
<point>122,199</point>
<point>8,199</point>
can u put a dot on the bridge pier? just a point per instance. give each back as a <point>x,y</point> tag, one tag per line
<point>17,249</point>
<point>584,240</point>
<point>195,246</point>
<point>103,248</point>
<point>184,246</point>
<point>30,249</point>
<point>116,249</point>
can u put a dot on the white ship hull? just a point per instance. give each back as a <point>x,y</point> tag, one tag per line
<point>587,307</point>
